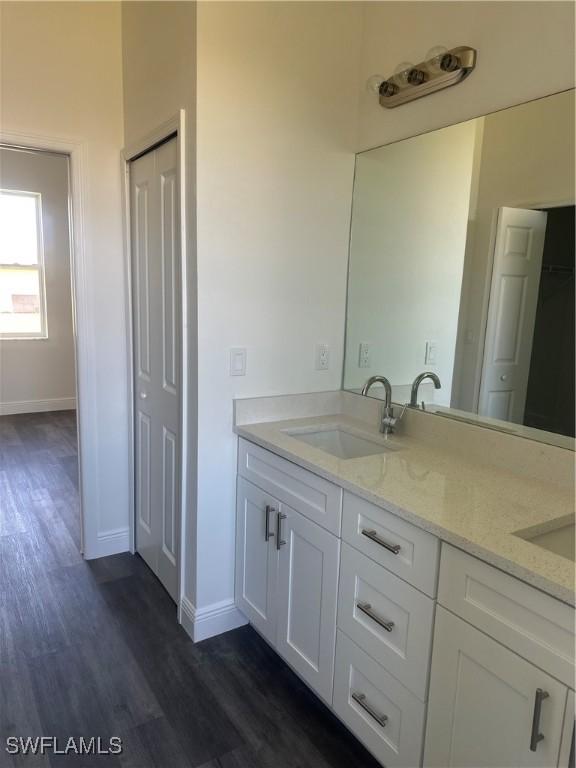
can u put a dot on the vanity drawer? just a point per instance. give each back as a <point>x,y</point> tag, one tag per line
<point>531,623</point>
<point>404,549</point>
<point>386,617</point>
<point>388,719</point>
<point>314,497</point>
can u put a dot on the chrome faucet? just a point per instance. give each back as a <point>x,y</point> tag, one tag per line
<point>387,420</point>
<point>416,384</point>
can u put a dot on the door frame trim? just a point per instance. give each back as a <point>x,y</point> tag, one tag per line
<point>75,150</point>
<point>174,127</point>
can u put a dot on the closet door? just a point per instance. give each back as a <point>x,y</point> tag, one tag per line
<point>307,597</point>
<point>157,359</point>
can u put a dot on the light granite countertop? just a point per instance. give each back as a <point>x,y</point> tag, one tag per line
<point>474,506</point>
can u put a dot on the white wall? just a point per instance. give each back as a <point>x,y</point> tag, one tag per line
<point>39,374</point>
<point>159,62</point>
<point>409,222</point>
<point>61,78</point>
<point>525,50</point>
<point>277,109</point>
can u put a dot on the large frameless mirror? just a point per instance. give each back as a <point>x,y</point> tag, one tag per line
<point>462,267</point>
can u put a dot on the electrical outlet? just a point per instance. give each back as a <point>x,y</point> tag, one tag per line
<point>238,361</point>
<point>431,353</point>
<point>365,355</point>
<point>322,357</point>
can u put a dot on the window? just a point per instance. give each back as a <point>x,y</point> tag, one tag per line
<point>22,294</point>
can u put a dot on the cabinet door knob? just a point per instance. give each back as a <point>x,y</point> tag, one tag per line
<point>360,699</point>
<point>267,532</point>
<point>143,395</point>
<point>371,613</point>
<point>279,540</point>
<point>536,736</point>
<point>373,536</point>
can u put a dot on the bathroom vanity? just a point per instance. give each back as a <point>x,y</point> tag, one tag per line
<point>389,574</point>
<point>407,543</point>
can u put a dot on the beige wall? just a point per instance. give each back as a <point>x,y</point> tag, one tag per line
<point>159,64</point>
<point>39,373</point>
<point>525,50</point>
<point>61,78</point>
<point>277,109</point>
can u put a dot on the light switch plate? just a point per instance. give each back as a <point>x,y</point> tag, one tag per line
<point>238,361</point>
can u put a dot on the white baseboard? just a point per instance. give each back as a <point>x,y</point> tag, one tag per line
<point>202,623</point>
<point>38,406</point>
<point>110,543</point>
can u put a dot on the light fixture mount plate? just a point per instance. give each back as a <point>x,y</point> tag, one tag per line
<point>397,90</point>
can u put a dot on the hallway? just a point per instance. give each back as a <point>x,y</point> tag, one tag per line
<point>92,648</point>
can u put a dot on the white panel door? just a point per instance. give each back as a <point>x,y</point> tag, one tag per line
<point>256,557</point>
<point>512,313</point>
<point>483,706</point>
<point>157,364</point>
<point>307,597</point>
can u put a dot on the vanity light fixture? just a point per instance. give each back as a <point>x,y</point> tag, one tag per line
<point>441,71</point>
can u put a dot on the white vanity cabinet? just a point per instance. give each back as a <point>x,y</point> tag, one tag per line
<point>502,662</point>
<point>287,565</point>
<point>354,618</point>
<point>307,593</point>
<point>488,706</point>
<point>430,656</point>
<point>256,558</point>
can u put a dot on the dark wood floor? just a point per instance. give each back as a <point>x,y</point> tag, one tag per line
<point>93,648</point>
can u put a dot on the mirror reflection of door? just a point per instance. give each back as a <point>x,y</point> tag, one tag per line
<point>528,371</point>
<point>512,313</point>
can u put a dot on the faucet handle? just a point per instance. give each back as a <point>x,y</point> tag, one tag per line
<point>388,420</point>
<point>403,411</point>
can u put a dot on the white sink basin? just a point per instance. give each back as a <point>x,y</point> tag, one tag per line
<point>342,442</point>
<point>557,538</point>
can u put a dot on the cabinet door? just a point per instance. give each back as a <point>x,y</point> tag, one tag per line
<point>256,557</point>
<point>307,594</point>
<point>567,747</point>
<point>483,697</point>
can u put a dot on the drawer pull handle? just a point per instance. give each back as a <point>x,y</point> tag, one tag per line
<point>536,736</point>
<point>367,609</point>
<point>267,532</point>
<point>279,541</point>
<point>373,536</point>
<point>360,699</point>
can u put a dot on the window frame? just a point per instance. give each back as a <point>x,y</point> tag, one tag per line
<point>42,334</point>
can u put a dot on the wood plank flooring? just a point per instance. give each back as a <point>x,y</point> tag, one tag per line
<point>92,648</point>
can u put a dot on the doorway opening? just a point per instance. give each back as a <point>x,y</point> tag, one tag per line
<point>551,392</point>
<point>40,497</point>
